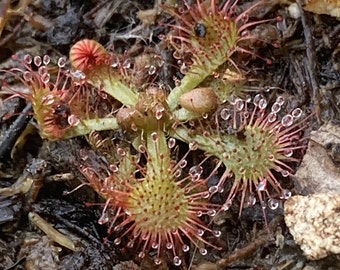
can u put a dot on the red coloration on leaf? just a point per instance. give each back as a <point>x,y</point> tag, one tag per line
<point>86,54</point>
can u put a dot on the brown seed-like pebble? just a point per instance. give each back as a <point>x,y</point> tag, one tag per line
<point>200,100</point>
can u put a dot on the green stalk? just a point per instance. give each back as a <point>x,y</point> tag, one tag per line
<point>86,126</point>
<point>116,89</point>
<point>184,115</point>
<point>120,91</point>
<point>158,154</point>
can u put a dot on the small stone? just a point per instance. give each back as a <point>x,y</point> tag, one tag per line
<point>200,100</point>
<point>313,221</point>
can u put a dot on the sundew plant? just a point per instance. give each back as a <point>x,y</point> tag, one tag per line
<point>156,198</point>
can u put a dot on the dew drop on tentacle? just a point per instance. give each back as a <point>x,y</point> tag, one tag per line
<point>73,120</point>
<point>177,55</point>
<point>216,233</point>
<point>247,99</point>
<point>45,78</point>
<point>206,134</point>
<point>193,145</point>
<point>130,244</point>
<point>287,120</point>
<point>46,59</point>
<point>152,70</point>
<point>121,152</point>
<point>257,99</point>
<point>157,261</point>
<point>154,136</point>
<point>232,99</point>
<point>178,173</point>
<point>184,68</point>
<point>296,113</point>
<point>142,148</point>
<point>42,70</point>
<point>200,232</point>
<point>117,241</point>
<point>226,206</point>
<point>288,152</point>
<point>272,117</point>
<point>271,157</point>
<point>27,76</point>
<point>225,114</point>
<point>196,170</point>
<point>177,261</point>
<point>37,61</point>
<point>28,59</point>
<point>203,251</point>
<point>286,194</point>
<point>134,127</point>
<point>160,108</point>
<point>183,163</point>
<point>127,64</point>
<point>216,75</point>
<point>115,63</point>
<point>276,107</point>
<point>195,177</point>
<point>245,17</point>
<point>103,191</point>
<point>211,212</point>
<point>273,204</point>
<point>104,218</point>
<point>169,245</point>
<point>114,168</point>
<point>162,37</point>
<point>61,62</point>
<point>280,100</point>
<point>192,123</point>
<point>154,245</point>
<point>159,115</point>
<point>239,104</point>
<point>205,194</point>
<point>78,75</point>
<point>185,248</point>
<point>141,254</point>
<point>262,103</point>
<point>48,99</point>
<point>251,200</point>
<point>284,173</point>
<point>171,143</point>
<point>213,189</point>
<point>262,185</point>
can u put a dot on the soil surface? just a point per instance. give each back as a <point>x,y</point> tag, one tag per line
<point>305,54</point>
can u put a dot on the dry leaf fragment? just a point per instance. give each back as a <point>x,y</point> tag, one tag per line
<point>329,7</point>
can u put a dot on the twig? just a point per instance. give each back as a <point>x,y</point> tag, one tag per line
<point>311,62</point>
<point>14,131</point>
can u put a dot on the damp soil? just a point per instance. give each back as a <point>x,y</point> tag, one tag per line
<point>305,68</point>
